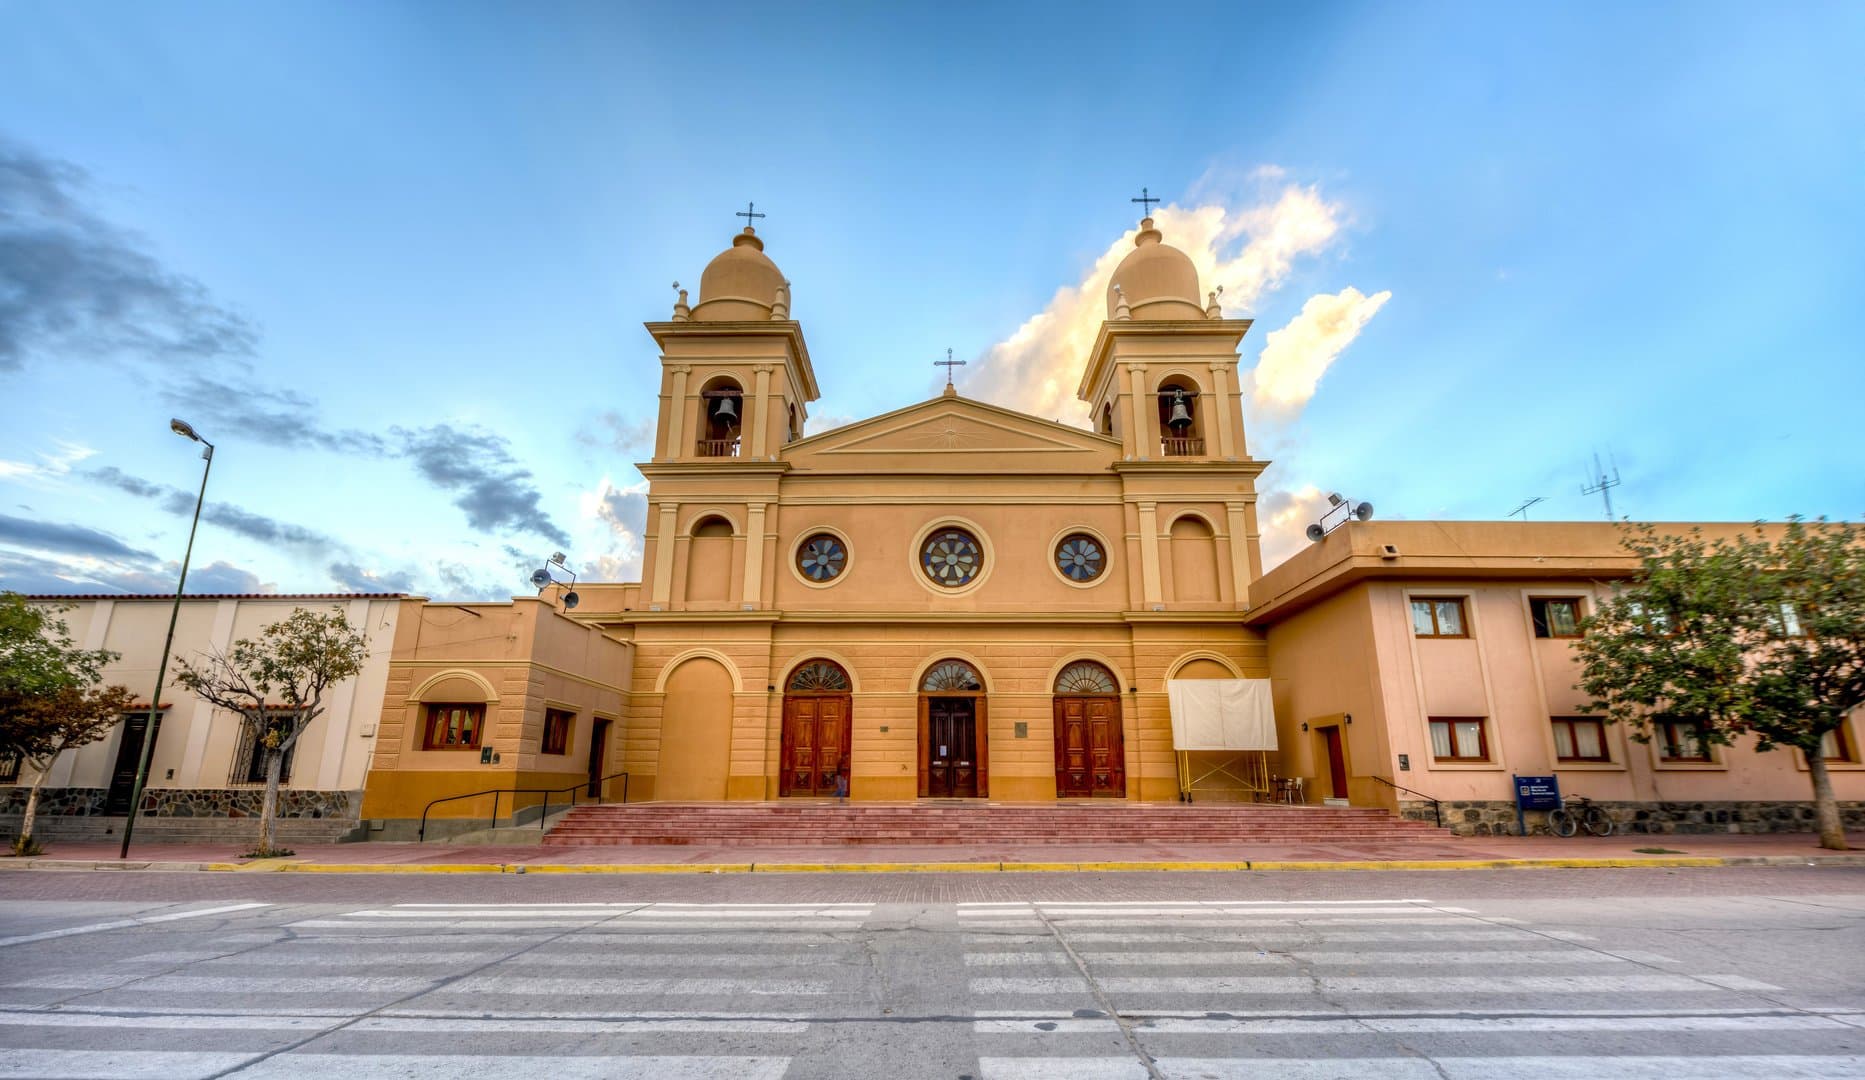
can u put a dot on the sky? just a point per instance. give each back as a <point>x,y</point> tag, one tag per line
<point>393,259</point>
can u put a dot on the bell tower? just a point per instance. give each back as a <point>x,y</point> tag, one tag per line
<point>735,386</point>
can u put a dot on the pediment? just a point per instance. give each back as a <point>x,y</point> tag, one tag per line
<point>953,425</point>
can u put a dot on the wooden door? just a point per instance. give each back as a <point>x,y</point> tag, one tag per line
<point>1091,758</point>
<point>129,755</point>
<point>598,756</point>
<point>953,769</point>
<point>1337,761</point>
<point>815,743</point>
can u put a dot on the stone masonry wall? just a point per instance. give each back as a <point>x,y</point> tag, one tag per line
<point>190,802</point>
<point>1497,817</point>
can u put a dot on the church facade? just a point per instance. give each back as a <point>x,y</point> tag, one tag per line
<point>948,600</point>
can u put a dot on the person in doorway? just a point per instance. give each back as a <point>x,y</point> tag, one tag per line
<point>841,780</point>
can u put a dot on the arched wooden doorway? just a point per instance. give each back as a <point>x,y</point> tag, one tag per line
<point>817,727</point>
<point>953,750</point>
<point>1091,755</point>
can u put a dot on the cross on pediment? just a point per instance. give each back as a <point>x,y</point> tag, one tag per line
<point>948,364</point>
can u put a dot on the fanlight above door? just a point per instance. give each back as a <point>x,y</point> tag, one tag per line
<point>1086,677</point>
<point>819,675</point>
<point>949,676</point>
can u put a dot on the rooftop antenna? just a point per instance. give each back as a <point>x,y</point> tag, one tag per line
<point>1523,509</point>
<point>1603,485</point>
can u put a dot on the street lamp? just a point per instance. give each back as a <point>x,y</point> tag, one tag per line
<point>186,431</point>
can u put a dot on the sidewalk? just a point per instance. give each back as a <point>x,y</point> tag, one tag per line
<point>1434,853</point>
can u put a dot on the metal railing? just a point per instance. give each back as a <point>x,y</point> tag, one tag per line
<point>1437,811</point>
<point>1172,446</point>
<point>544,809</point>
<point>717,448</point>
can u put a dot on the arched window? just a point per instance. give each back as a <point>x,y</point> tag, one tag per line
<point>1107,419</point>
<point>1181,427</point>
<point>820,676</point>
<point>951,676</point>
<point>1086,677</point>
<point>721,417</point>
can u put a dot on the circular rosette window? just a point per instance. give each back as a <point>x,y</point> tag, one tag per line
<point>822,558</point>
<point>952,558</point>
<point>1080,558</point>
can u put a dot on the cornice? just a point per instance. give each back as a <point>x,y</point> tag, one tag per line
<point>790,329</point>
<point>712,467</point>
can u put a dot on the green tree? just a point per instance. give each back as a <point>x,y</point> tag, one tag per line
<point>1761,633</point>
<point>51,699</point>
<point>277,685</point>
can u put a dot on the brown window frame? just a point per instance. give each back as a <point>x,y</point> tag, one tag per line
<point>1572,723</point>
<point>1848,750</point>
<point>435,711</point>
<point>1451,722</point>
<point>1669,741</point>
<point>1544,627</point>
<point>1463,616</point>
<point>559,725</point>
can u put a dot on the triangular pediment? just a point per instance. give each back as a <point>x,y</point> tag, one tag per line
<point>953,426</point>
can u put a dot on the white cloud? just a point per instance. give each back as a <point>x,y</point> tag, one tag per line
<point>1283,518</point>
<point>611,524</point>
<point>1247,249</point>
<point>816,425</point>
<point>1295,357</point>
<point>51,465</point>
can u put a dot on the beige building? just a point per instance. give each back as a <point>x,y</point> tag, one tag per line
<point>949,600</point>
<point>1438,656</point>
<point>205,764</point>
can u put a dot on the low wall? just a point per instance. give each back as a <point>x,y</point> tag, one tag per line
<point>241,802</point>
<point>1497,817</point>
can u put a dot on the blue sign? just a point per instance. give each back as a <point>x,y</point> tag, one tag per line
<point>1537,793</point>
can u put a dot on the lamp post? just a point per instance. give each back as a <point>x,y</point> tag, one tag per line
<point>182,428</point>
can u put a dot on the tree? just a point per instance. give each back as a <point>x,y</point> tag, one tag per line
<point>50,697</point>
<point>1757,634</point>
<point>277,685</point>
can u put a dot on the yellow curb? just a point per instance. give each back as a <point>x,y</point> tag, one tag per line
<point>1492,864</point>
<point>877,868</point>
<point>629,868</point>
<point>395,868</point>
<point>1121,867</point>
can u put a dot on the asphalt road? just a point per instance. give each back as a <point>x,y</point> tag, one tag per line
<point>1543,974</point>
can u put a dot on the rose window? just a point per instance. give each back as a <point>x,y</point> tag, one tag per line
<point>952,558</point>
<point>822,558</point>
<point>1080,558</point>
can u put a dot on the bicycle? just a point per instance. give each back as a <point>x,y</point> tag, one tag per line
<point>1567,822</point>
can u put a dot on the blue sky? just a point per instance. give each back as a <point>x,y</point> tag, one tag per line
<point>393,259</point>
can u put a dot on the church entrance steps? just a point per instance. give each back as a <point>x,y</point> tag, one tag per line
<point>946,823</point>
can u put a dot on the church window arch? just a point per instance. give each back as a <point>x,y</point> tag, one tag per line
<point>819,675</point>
<point>721,417</point>
<point>1181,417</point>
<point>1194,560</point>
<point>1086,677</point>
<point>951,676</point>
<point>709,561</point>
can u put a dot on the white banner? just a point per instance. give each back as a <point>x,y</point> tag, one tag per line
<point>1222,714</point>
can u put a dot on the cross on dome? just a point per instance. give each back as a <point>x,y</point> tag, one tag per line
<point>1145,200</point>
<point>750,214</point>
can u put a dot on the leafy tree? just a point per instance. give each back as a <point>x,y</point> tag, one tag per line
<point>50,697</point>
<point>1757,634</point>
<point>277,685</point>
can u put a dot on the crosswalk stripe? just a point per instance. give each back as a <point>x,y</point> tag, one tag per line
<point>1410,1025</point>
<point>1172,937</point>
<point>228,984</point>
<point>1364,984</point>
<point>266,1022</point>
<point>1378,902</point>
<point>714,1025</point>
<point>493,983</point>
<point>123,924</point>
<point>1155,911</point>
<point>1621,1067</point>
<point>534,958</point>
<point>558,1067</point>
<point>119,1064</point>
<point>1319,959</point>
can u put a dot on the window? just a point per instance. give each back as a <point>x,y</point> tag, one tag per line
<point>1439,617</point>
<point>821,558</point>
<point>1555,616</point>
<point>1080,558</point>
<point>1459,738</point>
<point>9,769</point>
<point>1835,745</point>
<point>454,727</point>
<point>1681,740</point>
<point>1580,738</point>
<point>952,558</point>
<point>1787,623</point>
<point>556,731</point>
<point>249,761</point>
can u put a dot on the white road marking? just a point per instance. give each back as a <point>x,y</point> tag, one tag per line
<point>187,1021</point>
<point>1435,1025</point>
<point>118,1064</point>
<point>1319,959</point>
<point>1174,937</point>
<point>121,924</point>
<point>558,1067</point>
<point>1621,1067</point>
<point>493,983</point>
<point>234,984</point>
<point>1369,984</point>
<point>712,1025</point>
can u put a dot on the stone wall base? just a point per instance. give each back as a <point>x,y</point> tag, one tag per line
<point>240,802</point>
<point>1497,817</point>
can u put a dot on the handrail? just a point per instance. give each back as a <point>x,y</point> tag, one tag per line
<point>1437,811</point>
<point>493,821</point>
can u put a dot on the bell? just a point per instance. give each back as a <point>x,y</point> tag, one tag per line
<point>1181,415</point>
<point>726,410</point>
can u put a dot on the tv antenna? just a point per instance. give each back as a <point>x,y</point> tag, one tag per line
<point>1603,485</point>
<point>1523,509</point>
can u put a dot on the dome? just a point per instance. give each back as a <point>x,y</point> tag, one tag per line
<point>741,284</point>
<point>1157,280</point>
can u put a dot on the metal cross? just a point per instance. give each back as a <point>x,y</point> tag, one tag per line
<point>948,364</point>
<point>1145,200</point>
<point>750,214</point>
